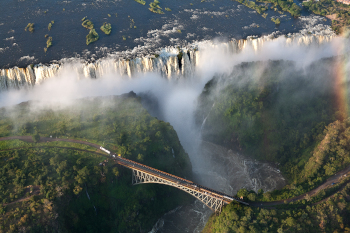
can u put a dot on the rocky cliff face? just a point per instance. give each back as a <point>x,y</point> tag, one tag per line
<point>170,64</point>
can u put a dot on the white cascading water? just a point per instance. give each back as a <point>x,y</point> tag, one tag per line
<point>167,64</point>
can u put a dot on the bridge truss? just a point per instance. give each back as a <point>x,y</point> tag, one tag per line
<point>214,203</point>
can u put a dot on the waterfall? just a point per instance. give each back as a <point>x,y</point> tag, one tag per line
<point>168,63</point>
<point>205,119</point>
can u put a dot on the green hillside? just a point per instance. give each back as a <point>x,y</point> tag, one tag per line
<point>285,115</point>
<point>59,177</point>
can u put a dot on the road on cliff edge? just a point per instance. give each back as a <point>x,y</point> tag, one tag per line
<point>333,179</point>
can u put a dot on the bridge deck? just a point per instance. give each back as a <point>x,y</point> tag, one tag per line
<point>189,184</point>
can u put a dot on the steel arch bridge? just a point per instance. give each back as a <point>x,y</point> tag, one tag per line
<point>142,174</point>
<point>214,203</point>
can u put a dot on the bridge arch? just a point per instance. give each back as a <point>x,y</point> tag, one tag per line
<point>214,203</point>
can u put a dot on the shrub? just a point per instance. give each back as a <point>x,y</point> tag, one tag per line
<point>50,25</point>
<point>276,21</point>
<point>91,37</point>
<point>106,28</point>
<point>155,8</point>
<point>87,24</point>
<point>141,2</point>
<point>49,42</point>
<point>30,27</point>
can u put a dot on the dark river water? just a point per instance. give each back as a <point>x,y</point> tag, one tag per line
<point>188,21</point>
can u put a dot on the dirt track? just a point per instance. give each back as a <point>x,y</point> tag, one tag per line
<point>43,139</point>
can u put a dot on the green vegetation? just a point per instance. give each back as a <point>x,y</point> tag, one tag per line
<point>276,21</point>
<point>265,116</point>
<point>49,42</point>
<point>155,8</point>
<point>141,2</point>
<point>285,5</point>
<point>30,27</point>
<point>56,180</point>
<point>106,28</point>
<point>92,37</point>
<point>337,11</point>
<point>269,119</point>
<point>329,216</point>
<point>167,9</point>
<point>87,24</point>
<point>330,155</point>
<point>36,137</point>
<point>274,116</point>
<point>50,25</point>
<point>251,4</point>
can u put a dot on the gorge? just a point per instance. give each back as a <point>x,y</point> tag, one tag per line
<point>175,78</point>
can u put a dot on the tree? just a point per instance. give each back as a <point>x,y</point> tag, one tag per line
<point>2,209</point>
<point>242,193</point>
<point>290,221</point>
<point>77,189</point>
<point>61,167</point>
<point>82,176</point>
<point>140,157</point>
<point>115,171</point>
<point>267,196</point>
<point>36,137</point>
<point>62,128</point>
<point>252,196</point>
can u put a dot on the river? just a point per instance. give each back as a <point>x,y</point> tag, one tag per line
<point>136,32</point>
